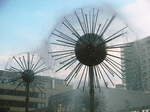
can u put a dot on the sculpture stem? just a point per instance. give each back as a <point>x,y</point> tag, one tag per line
<point>27,98</point>
<point>91,90</point>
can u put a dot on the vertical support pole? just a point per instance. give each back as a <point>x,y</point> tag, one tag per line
<point>91,90</point>
<point>27,98</point>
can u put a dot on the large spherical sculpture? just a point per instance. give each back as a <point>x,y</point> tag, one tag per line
<point>95,50</point>
<point>86,41</point>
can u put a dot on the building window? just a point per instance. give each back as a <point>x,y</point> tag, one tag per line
<point>17,93</point>
<point>17,103</point>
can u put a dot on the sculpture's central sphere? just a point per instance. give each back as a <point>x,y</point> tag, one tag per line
<point>90,49</point>
<point>28,76</point>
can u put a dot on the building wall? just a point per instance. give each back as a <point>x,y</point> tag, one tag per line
<point>14,98</point>
<point>109,100</point>
<point>137,65</point>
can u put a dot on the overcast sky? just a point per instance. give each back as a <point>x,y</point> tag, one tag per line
<point>26,23</point>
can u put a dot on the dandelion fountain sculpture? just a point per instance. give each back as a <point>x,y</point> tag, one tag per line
<point>85,39</point>
<point>27,66</point>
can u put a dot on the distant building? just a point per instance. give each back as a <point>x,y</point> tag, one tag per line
<point>137,65</point>
<point>72,101</point>
<point>110,100</point>
<point>13,100</point>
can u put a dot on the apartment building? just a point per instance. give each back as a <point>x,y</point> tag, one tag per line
<point>137,65</point>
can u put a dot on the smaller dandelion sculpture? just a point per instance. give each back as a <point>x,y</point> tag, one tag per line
<point>84,42</point>
<point>27,66</point>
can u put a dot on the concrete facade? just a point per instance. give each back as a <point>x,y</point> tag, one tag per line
<point>137,65</point>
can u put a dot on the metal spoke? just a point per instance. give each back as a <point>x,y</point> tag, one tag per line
<point>90,22</point>
<point>81,76</point>
<point>79,22</point>
<point>113,51</point>
<point>41,70</point>
<point>115,56</point>
<point>71,58</point>
<point>63,66</point>
<point>78,70</point>
<point>108,68</point>
<point>69,65</point>
<point>32,61</point>
<point>38,66</point>
<point>110,21</point>
<point>113,61</point>
<point>85,78</point>
<point>103,67</point>
<point>56,55</point>
<point>98,28</point>
<point>93,20</point>
<point>25,62</point>
<point>18,62</point>
<point>73,75</point>
<point>115,34</point>
<point>98,72</point>
<point>15,69</point>
<point>64,56</point>
<point>22,63</point>
<point>102,75</point>
<point>63,45</point>
<point>102,29</point>
<point>115,67</point>
<point>11,70</point>
<point>115,37</point>
<point>61,51</point>
<point>94,27</point>
<point>117,45</point>
<point>65,42</point>
<point>97,79</point>
<point>64,35</point>
<point>71,28</point>
<point>87,23</point>
<point>35,65</point>
<point>72,72</point>
<point>116,73</point>
<point>84,20</point>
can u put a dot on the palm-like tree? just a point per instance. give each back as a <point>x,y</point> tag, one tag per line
<point>87,42</point>
<point>27,66</point>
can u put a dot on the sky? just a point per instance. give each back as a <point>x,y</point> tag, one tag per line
<point>25,24</point>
